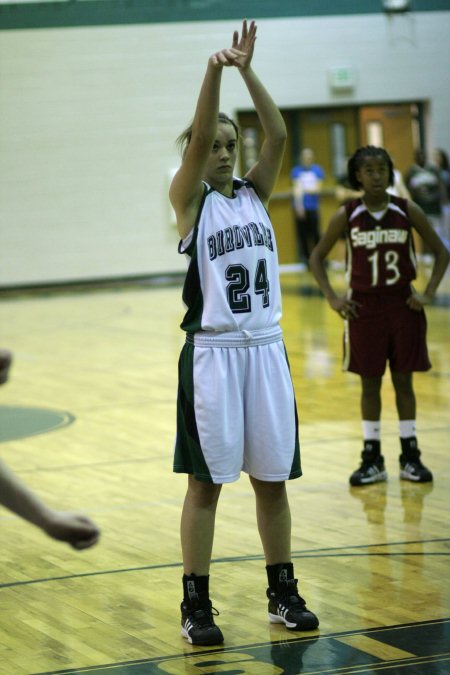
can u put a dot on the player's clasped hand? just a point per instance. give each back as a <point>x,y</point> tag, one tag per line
<point>241,52</point>
<point>226,57</point>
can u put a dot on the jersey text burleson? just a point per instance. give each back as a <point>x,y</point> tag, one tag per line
<point>236,237</point>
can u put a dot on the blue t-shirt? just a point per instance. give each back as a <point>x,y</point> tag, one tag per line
<point>309,177</point>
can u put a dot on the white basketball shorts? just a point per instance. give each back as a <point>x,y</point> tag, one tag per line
<point>236,408</point>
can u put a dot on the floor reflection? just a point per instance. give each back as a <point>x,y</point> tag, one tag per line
<point>374,500</point>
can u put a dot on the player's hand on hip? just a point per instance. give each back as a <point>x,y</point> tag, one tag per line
<point>347,309</point>
<point>417,302</point>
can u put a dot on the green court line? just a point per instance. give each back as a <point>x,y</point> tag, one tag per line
<point>357,668</point>
<point>21,422</point>
<point>308,553</point>
<point>150,459</point>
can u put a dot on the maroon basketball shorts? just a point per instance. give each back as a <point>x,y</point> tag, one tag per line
<point>386,330</point>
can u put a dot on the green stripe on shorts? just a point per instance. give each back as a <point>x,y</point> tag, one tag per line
<point>188,453</point>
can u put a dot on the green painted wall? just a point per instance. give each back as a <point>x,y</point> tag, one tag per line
<point>116,12</point>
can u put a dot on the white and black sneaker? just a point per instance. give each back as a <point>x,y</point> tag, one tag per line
<point>411,468</point>
<point>288,607</point>
<point>197,623</point>
<point>371,470</point>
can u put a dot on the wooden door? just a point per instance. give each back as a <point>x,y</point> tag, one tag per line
<point>316,128</point>
<point>390,127</point>
<point>333,135</point>
<point>280,207</point>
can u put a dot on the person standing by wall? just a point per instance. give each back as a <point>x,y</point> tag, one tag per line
<point>307,181</point>
<point>440,160</point>
<point>426,188</point>
<point>5,364</point>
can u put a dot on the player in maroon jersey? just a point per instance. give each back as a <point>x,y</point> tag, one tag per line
<point>384,315</point>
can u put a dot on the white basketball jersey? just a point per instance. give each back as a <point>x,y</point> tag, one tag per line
<point>232,281</point>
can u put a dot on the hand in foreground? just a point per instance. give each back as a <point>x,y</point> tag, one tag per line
<point>73,528</point>
<point>347,309</point>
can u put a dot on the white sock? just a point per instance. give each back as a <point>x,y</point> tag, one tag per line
<point>371,430</point>
<point>407,428</point>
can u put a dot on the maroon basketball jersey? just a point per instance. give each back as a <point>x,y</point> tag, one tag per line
<point>380,252</point>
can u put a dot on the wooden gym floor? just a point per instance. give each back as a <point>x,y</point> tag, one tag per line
<point>87,420</point>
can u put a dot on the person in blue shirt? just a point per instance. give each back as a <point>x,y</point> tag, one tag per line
<point>307,180</point>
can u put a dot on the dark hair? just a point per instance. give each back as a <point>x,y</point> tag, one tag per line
<point>184,138</point>
<point>359,157</point>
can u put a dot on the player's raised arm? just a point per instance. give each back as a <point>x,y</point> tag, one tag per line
<point>265,172</point>
<point>186,188</point>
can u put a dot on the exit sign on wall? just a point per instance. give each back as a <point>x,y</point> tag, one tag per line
<point>342,77</point>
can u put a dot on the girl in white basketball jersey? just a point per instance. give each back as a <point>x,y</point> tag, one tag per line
<point>236,406</point>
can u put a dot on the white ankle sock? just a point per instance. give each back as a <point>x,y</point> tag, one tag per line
<point>407,428</point>
<point>371,430</point>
